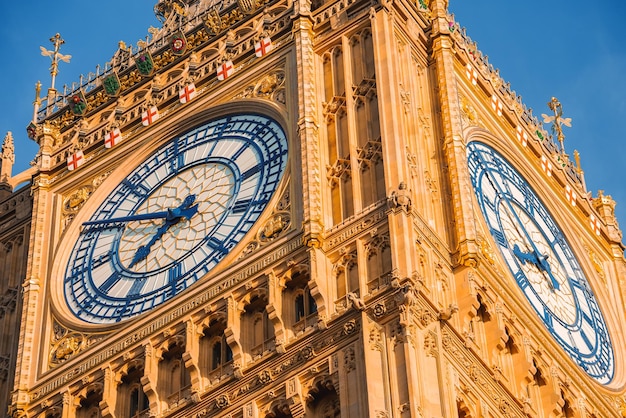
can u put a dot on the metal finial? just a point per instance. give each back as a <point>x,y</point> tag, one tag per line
<point>55,56</point>
<point>37,101</point>
<point>577,159</point>
<point>557,120</point>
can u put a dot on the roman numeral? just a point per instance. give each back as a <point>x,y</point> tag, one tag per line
<point>138,190</point>
<point>216,245</point>
<point>175,164</point>
<point>174,273</point>
<point>522,280</point>
<point>586,340</point>
<point>499,237</point>
<point>135,289</point>
<point>101,260</point>
<point>239,152</point>
<point>250,172</point>
<point>109,283</point>
<point>587,318</point>
<point>241,205</point>
<point>547,318</point>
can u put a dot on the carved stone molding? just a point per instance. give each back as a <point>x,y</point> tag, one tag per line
<point>477,376</point>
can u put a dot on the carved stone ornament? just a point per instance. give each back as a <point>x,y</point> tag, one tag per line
<point>349,359</point>
<point>271,86</point>
<point>307,352</point>
<point>400,199</point>
<point>375,339</point>
<point>273,228</point>
<point>222,401</point>
<point>430,344</point>
<point>379,310</point>
<point>349,327</point>
<point>265,377</point>
<point>73,202</point>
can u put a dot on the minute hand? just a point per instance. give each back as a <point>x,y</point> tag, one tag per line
<point>130,218</point>
<point>165,214</point>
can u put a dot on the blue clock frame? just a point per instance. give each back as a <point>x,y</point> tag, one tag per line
<point>174,217</point>
<point>541,261</point>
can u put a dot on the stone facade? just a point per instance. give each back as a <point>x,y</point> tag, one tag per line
<point>370,286</point>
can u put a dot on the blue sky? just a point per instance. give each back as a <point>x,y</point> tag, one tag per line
<point>572,50</point>
<point>569,49</point>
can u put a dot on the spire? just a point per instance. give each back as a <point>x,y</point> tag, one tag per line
<point>7,158</point>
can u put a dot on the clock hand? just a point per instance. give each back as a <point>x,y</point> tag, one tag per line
<point>130,218</point>
<point>167,214</point>
<point>545,266</point>
<point>539,261</point>
<point>184,211</point>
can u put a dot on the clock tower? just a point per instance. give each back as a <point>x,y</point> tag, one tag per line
<point>278,208</point>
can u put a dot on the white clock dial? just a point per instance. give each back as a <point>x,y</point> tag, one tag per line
<point>174,217</point>
<point>541,261</point>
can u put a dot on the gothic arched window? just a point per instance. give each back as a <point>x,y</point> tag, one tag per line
<point>131,400</point>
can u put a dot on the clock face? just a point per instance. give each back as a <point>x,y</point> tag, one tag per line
<point>541,261</point>
<point>174,217</point>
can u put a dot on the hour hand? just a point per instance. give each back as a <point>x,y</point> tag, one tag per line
<point>185,211</point>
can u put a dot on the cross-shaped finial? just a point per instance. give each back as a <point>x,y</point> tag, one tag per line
<point>55,56</point>
<point>557,120</point>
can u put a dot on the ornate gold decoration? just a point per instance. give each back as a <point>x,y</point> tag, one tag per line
<point>597,263</point>
<point>468,112</point>
<point>166,8</point>
<point>248,6</point>
<point>213,22</point>
<point>65,344</point>
<point>75,200</point>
